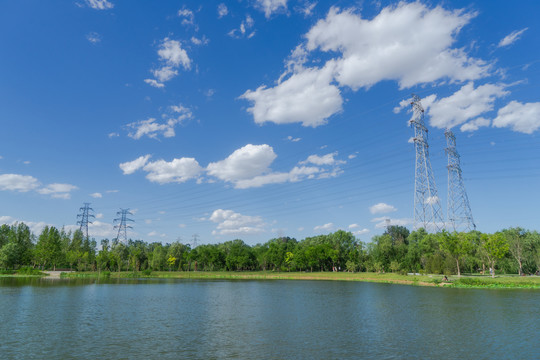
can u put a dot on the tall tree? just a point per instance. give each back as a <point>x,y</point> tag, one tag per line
<point>495,247</point>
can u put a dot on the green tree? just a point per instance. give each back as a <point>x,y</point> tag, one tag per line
<point>518,244</point>
<point>495,247</point>
<point>456,245</point>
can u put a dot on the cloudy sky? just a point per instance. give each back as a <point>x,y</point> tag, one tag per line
<point>254,119</point>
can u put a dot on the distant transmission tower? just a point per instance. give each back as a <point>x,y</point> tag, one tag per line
<point>84,216</point>
<point>427,207</point>
<point>459,211</point>
<point>123,226</point>
<point>195,237</point>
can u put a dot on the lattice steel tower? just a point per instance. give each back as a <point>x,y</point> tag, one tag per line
<point>123,226</point>
<point>458,211</point>
<point>427,206</point>
<point>85,215</point>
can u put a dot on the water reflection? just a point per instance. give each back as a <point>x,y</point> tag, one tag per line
<point>209,319</point>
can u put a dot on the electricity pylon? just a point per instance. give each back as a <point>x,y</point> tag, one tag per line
<point>123,226</point>
<point>427,206</point>
<point>85,215</point>
<point>459,211</point>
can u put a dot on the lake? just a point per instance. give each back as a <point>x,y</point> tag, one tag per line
<point>269,319</point>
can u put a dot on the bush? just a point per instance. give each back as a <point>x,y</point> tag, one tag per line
<point>7,272</point>
<point>147,272</point>
<point>29,271</point>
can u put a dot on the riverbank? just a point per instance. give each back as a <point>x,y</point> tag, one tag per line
<point>471,281</point>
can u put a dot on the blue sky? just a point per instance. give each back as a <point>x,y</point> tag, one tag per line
<point>255,119</point>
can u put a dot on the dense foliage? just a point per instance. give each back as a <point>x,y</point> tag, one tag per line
<point>512,250</point>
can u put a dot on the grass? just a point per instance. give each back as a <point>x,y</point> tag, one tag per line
<point>531,282</point>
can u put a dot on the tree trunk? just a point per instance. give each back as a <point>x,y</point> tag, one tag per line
<point>458,272</point>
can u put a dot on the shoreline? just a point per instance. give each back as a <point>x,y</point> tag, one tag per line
<point>471,281</point>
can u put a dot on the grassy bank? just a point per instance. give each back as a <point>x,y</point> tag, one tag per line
<point>477,281</point>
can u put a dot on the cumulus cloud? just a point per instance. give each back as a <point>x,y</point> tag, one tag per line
<point>382,208</point>
<point>408,43</point>
<point>58,191</point>
<point>35,227</point>
<point>325,227</point>
<point>244,163</point>
<point>306,9</point>
<point>524,118</point>
<point>130,167</point>
<point>246,167</point>
<point>100,4</point>
<point>361,232</point>
<point>96,195</point>
<point>16,182</point>
<point>270,7</point>
<point>327,159</point>
<point>233,223</point>
<point>475,124</point>
<point>25,183</point>
<point>177,170</point>
<point>307,97</point>
<point>511,38</point>
<point>171,56</point>
<point>465,104</point>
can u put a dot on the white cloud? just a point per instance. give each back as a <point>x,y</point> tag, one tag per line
<point>511,38</point>
<point>381,222</point>
<point>290,138</point>
<point>16,182</point>
<point>432,200</point>
<point>524,118</point>
<point>408,43</point>
<point>93,37</point>
<point>154,83</point>
<point>177,170</point>
<point>96,195</point>
<point>307,97</point>
<point>222,10</point>
<point>353,226</point>
<point>233,223</point>
<point>100,4</point>
<point>35,227</point>
<point>475,124</point>
<point>152,129</point>
<point>130,167</point>
<point>172,56</point>
<point>181,226</point>
<point>244,29</point>
<point>382,208</point>
<point>113,134</point>
<point>327,159</point>
<point>58,191</point>
<point>306,9</point>
<point>297,173</point>
<point>202,41</point>
<point>187,15</point>
<point>361,232</point>
<point>325,227</point>
<point>99,216</point>
<point>465,104</point>
<point>244,163</point>
<point>270,7</point>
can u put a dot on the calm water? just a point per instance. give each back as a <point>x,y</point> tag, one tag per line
<point>194,319</point>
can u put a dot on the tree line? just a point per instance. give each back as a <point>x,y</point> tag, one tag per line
<point>513,250</point>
